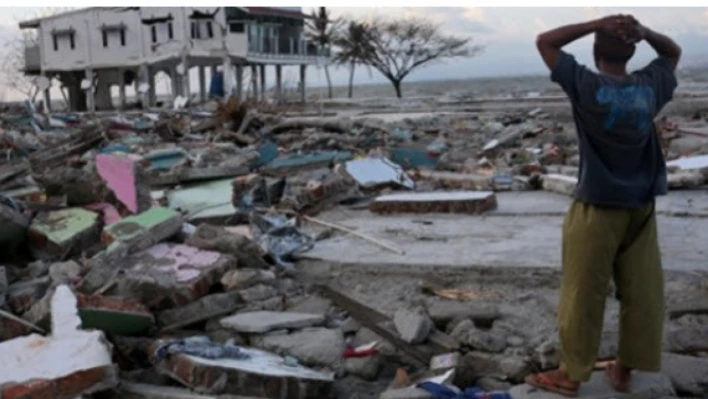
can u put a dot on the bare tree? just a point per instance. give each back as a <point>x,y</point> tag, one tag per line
<point>398,47</point>
<point>13,62</point>
<point>323,31</point>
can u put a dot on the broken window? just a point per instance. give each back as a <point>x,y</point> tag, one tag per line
<point>113,32</point>
<point>58,34</point>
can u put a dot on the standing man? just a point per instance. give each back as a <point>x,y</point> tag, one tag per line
<point>610,229</point>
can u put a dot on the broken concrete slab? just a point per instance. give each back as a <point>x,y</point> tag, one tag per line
<point>123,175</point>
<point>169,275</point>
<point>560,184</point>
<point>205,201</point>
<point>317,347</point>
<point>61,233</point>
<point>372,173</point>
<point>471,202</point>
<point>414,326</point>
<point>202,309</point>
<point>113,315</point>
<point>141,231</point>
<point>262,322</point>
<point>644,386</point>
<point>29,364</point>
<point>455,181</point>
<point>263,374</point>
<point>689,375</point>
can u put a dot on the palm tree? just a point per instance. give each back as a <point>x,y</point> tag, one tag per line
<point>354,46</point>
<point>321,30</point>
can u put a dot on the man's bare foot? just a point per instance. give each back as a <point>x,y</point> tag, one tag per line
<point>554,381</point>
<point>619,377</point>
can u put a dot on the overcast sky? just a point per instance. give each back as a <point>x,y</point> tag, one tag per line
<point>507,33</point>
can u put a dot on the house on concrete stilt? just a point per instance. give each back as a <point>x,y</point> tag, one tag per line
<point>91,50</point>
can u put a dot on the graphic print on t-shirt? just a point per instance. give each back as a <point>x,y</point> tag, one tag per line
<point>630,106</point>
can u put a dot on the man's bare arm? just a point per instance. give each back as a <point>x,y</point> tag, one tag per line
<point>550,43</point>
<point>662,44</point>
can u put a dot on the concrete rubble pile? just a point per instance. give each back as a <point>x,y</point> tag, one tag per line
<point>157,254</point>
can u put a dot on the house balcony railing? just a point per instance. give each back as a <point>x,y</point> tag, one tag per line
<point>32,58</point>
<point>284,46</point>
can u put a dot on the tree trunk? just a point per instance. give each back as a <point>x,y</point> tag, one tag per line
<point>397,85</point>
<point>352,66</point>
<point>329,81</point>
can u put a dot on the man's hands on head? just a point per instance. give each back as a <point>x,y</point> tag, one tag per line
<point>621,26</point>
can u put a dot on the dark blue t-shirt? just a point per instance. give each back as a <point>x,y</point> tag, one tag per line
<point>621,161</point>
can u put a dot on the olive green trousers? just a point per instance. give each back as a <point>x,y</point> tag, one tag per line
<point>600,243</point>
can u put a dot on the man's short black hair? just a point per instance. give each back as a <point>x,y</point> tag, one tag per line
<point>612,50</point>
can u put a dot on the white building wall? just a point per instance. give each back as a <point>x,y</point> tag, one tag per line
<point>64,57</point>
<point>115,54</point>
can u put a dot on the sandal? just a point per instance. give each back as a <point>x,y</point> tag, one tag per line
<point>619,386</point>
<point>549,382</point>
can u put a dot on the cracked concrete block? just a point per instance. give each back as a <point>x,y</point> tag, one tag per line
<point>414,326</point>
